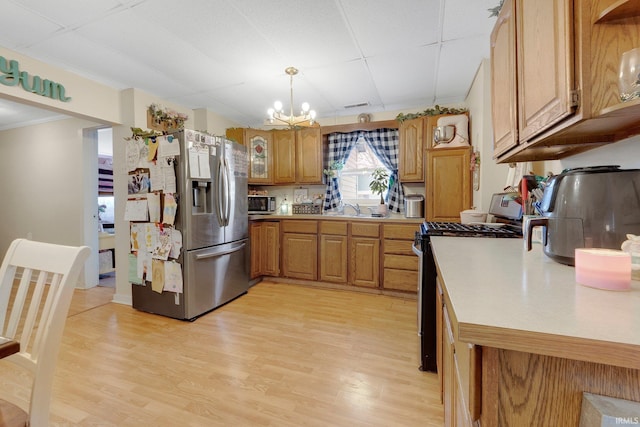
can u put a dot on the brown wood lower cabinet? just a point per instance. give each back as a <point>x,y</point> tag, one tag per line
<point>265,248</point>
<point>399,262</point>
<point>370,254</point>
<point>333,251</point>
<point>364,263</point>
<point>300,249</point>
<point>459,368</point>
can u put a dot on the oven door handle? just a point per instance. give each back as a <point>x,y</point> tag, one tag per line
<point>415,250</point>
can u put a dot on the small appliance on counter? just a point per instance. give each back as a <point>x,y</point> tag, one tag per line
<point>259,204</point>
<point>413,206</point>
<point>590,207</point>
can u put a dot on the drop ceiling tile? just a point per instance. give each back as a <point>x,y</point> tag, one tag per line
<point>464,18</point>
<point>382,26</point>
<point>105,65</point>
<point>70,13</point>
<point>459,61</point>
<point>304,33</point>
<point>344,84</point>
<point>20,27</point>
<point>407,74</point>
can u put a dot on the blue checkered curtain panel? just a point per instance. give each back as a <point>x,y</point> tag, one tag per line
<point>384,143</point>
<point>340,146</point>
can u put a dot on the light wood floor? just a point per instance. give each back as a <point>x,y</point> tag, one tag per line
<point>282,355</point>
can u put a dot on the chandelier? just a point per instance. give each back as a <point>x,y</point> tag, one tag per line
<point>276,114</point>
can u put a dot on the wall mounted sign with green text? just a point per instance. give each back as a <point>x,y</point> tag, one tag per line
<point>10,75</point>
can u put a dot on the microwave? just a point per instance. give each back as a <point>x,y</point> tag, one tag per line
<point>262,205</point>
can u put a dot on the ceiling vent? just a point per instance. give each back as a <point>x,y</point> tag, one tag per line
<point>361,104</point>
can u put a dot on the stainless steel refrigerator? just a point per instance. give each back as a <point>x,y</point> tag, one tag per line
<point>211,180</point>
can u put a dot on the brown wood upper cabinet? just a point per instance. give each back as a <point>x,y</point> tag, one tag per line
<point>282,156</point>
<point>554,73</point>
<point>411,150</point>
<point>448,186</point>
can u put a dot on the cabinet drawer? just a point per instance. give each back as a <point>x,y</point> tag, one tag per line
<point>400,247</point>
<point>399,231</point>
<point>401,262</point>
<point>300,226</point>
<point>365,229</point>
<point>401,280</point>
<point>333,227</point>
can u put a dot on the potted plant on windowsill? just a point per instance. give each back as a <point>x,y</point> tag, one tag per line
<point>378,185</point>
<point>334,169</point>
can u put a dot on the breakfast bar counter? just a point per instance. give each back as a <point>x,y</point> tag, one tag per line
<point>525,340</point>
<point>506,297</point>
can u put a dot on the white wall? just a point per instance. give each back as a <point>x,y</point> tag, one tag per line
<point>43,183</point>
<point>89,100</point>
<point>492,175</point>
<point>624,153</point>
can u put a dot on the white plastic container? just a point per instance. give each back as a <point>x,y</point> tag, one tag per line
<point>471,215</point>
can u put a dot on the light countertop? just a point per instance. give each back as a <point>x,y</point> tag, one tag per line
<point>506,297</point>
<point>390,218</point>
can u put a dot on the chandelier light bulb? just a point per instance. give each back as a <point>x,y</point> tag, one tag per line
<point>312,114</point>
<point>278,106</point>
<point>270,112</point>
<point>305,107</point>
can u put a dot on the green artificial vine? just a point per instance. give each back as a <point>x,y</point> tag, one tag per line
<point>495,11</point>
<point>138,133</point>
<point>435,111</point>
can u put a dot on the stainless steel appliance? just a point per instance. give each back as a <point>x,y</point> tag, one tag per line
<point>261,204</point>
<point>590,207</point>
<point>505,210</point>
<point>211,179</point>
<point>413,206</point>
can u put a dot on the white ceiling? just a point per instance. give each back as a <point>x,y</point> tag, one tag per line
<point>229,56</point>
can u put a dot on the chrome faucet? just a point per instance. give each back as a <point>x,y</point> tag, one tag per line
<point>356,208</point>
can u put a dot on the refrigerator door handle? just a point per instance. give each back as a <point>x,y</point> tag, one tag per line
<point>227,197</point>
<point>221,252</point>
<point>219,198</point>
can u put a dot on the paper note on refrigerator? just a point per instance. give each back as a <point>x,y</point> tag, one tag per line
<point>136,210</point>
<point>172,277</point>
<point>157,275</point>
<point>169,173</point>
<point>134,277</point>
<point>199,162</point>
<point>169,146</point>
<point>137,236</point>
<point>144,264</point>
<point>163,244</point>
<point>170,209</point>
<point>153,201</point>
<point>176,243</point>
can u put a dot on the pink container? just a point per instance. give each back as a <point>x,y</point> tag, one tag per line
<point>603,269</point>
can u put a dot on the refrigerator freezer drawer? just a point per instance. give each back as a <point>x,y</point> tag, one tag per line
<point>214,276</point>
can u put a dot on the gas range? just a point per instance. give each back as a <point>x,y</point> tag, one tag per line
<point>509,214</point>
<point>470,230</point>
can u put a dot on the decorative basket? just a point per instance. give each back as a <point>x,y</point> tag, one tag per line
<point>306,208</point>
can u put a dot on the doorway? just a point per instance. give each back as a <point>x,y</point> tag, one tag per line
<point>106,210</point>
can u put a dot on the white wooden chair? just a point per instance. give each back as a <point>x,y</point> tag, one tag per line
<point>40,297</point>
